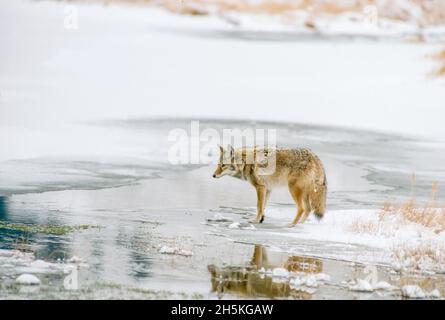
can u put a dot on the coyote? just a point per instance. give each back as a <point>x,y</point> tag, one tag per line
<point>300,169</point>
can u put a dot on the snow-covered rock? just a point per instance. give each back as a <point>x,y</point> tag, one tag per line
<point>27,279</point>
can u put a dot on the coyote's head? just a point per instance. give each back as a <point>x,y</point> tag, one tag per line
<point>227,164</point>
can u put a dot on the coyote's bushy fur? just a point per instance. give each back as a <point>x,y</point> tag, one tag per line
<point>299,169</point>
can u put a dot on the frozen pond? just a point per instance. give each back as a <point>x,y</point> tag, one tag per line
<point>153,229</point>
<point>90,207</point>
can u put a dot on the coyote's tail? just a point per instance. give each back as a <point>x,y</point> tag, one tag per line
<point>318,201</point>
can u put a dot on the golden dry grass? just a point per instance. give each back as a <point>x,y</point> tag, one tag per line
<point>440,58</point>
<point>432,12</point>
<point>429,215</point>
<point>424,256</point>
<point>420,255</point>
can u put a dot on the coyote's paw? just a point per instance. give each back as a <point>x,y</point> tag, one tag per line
<point>291,225</point>
<point>257,220</point>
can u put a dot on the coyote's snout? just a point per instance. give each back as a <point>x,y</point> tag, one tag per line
<point>300,169</point>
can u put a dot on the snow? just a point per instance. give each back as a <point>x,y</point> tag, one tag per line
<point>392,240</point>
<point>175,251</point>
<point>361,286</point>
<point>383,285</point>
<point>76,259</point>
<point>297,280</point>
<point>164,48</point>
<point>309,280</point>
<point>413,292</point>
<point>280,273</point>
<point>219,218</point>
<point>25,267</point>
<point>435,294</point>
<point>27,279</point>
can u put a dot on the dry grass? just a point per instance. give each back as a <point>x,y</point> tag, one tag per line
<point>418,253</point>
<point>429,217</point>
<point>432,11</point>
<point>424,256</point>
<point>271,7</point>
<point>440,57</point>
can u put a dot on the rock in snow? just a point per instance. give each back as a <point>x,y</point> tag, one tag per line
<point>28,279</point>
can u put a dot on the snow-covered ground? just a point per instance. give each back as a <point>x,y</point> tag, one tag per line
<point>126,62</point>
<point>352,235</point>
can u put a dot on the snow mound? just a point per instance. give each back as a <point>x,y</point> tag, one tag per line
<point>280,273</point>
<point>235,225</point>
<point>309,280</point>
<point>28,279</point>
<point>361,285</point>
<point>413,292</point>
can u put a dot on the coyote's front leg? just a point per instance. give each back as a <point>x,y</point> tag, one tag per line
<point>262,196</point>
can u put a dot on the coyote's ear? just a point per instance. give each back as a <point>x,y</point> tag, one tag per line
<point>231,151</point>
<point>221,153</point>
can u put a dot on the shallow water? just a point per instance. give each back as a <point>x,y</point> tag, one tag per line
<point>140,208</point>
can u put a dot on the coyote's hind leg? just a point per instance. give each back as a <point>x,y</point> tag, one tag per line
<point>307,208</point>
<point>297,195</point>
